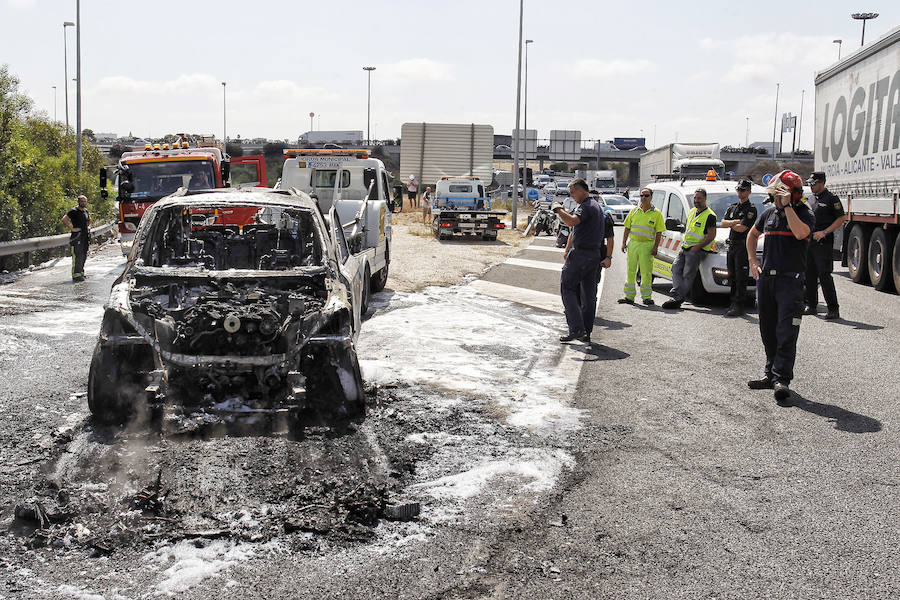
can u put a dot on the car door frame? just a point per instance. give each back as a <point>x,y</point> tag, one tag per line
<point>670,242</point>
<point>349,267</point>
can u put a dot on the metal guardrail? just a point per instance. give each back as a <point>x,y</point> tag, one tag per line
<point>49,241</point>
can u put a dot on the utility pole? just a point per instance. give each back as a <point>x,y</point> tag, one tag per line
<point>517,132</point>
<point>66,68</point>
<point>224,122</point>
<point>78,85</point>
<point>369,107</point>
<point>525,108</point>
<point>775,120</point>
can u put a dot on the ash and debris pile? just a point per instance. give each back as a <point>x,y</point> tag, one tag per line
<point>107,490</point>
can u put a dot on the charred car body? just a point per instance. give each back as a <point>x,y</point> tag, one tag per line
<point>238,301</point>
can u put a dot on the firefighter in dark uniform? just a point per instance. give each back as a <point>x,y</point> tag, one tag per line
<point>584,259</point>
<point>830,217</point>
<point>788,226</point>
<point>78,222</point>
<point>739,217</point>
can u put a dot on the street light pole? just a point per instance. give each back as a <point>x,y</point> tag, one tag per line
<point>747,136</point>
<point>775,120</point>
<point>369,106</point>
<point>864,17</point>
<point>78,85</point>
<point>525,108</point>
<point>838,42</point>
<point>66,68</point>
<point>224,121</point>
<point>517,132</point>
<point>800,123</point>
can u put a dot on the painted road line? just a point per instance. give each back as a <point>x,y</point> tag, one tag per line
<point>546,248</point>
<point>535,299</point>
<point>534,264</point>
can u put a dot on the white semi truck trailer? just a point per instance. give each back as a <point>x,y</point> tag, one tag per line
<point>858,147</point>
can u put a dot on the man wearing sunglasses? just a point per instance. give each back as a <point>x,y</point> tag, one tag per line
<point>643,230</point>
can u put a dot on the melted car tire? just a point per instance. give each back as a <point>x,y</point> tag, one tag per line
<point>325,391</point>
<point>107,392</point>
<point>366,291</point>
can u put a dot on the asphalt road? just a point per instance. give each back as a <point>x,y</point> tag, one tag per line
<point>657,475</point>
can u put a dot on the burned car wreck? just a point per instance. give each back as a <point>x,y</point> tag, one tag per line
<point>233,301</point>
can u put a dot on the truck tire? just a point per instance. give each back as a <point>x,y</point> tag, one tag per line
<point>112,395</point>
<point>489,236</point>
<point>881,250</point>
<point>896,263</point>
<point>379,279</point>
<point>857,254</point>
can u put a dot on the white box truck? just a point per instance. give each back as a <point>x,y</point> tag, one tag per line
<point>681,161</point>
<point>858,147</point>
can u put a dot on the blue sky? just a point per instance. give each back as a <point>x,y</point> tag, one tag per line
<point>608,69</point>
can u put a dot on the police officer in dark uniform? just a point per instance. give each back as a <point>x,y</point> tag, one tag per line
<point>820,261</point>
<point>78,222</point>
<point>779,287</point>
<point>584,258</point>
<point>739,217</point>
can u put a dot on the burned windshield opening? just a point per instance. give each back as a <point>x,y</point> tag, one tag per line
<point>234,237</point>
<point>158,179</point>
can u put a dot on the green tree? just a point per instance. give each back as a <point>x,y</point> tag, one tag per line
<point>38,178</point>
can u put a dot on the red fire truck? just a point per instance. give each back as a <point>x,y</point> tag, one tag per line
<point>143,177</point>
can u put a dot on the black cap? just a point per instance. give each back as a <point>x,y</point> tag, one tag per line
<point>745,184</point>
<point>816,177</point>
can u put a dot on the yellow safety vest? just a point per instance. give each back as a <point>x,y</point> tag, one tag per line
<point>694,233</point>
<point>643,226</point>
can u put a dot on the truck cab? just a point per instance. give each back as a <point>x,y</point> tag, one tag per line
<point>143,177</point>
<point>460,205</point>
<point>357,187</point>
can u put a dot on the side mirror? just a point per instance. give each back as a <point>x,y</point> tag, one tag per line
<point>104,193</point>
<point>226,173</point>
<point>102,178</point>
<point>674,225</point>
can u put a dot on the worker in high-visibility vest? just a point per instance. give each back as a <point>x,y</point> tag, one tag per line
<point>643,230</point>
<point>699,236</point>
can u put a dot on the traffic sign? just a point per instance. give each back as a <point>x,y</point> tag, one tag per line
<point>767,178</point>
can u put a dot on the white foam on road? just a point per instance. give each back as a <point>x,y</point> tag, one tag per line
<point>538,470</point>
<point>184,565</point>
<point>459,340</point>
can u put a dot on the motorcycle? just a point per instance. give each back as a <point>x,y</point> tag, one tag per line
<point>540,221</point>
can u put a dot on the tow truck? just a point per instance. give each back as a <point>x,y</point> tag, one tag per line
<point>357,186</point>
<point>143,177</point>
<point>460,206</point>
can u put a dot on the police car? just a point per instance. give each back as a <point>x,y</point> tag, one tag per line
<point>674,199</point>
